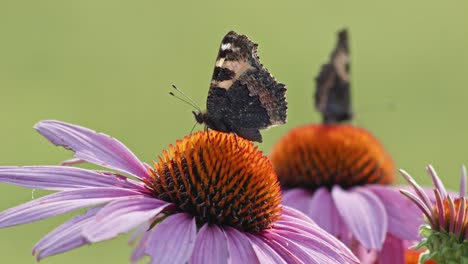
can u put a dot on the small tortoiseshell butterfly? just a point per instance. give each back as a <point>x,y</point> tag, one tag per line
<point>332,94</point>
<point>243,97</point>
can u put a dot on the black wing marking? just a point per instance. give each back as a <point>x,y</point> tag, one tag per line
<point>332,95</point>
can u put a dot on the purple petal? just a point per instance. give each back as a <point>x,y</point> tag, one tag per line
<point>140,231</point>
<point>294,213</point>
<point>66,237</point>
<point>313,234</point>
<point>265,254</point>
<point>324,212</point>
<point>364,215</point>
<point>393,251</point>
<point>61,178</point>
<point>436,180</point>
<point>299,199</point>
<point>139,251</point>
<point>72,162</point>
<point>463,182</point>
<point>441,211</point>
<point>59,203</point>
<point>404,217</point>
<point>307,249</point>
<point>461,224</point>
<point>88,145</point>
<point>285,254</point>
<point>210,246</point>
<point>422,206</point>
<point>421,193</point>
<point>121,216</point>
<point>240,247</point>
<point>173,240</point>
<point>452,219</point>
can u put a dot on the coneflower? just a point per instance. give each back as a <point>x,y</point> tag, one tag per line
<point>445,234</point>
<point>339,174</point>
<point>210,198</point>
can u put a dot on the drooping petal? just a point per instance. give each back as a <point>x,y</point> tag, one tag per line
<point>59,203</point>
<point>404,217</point>
<point>172,240</point>
<point>298,198</point>
<point>65,237</point>
<point>314,237</point>
<point>60,178</point>
<point>139,251</point>
<point>121,216</point>
<point>288,211</point>
<point>210,246</point>
<point>292,219</point>
<point>265,254</point>
<point>393,251</point>
<point>285,254</point>
<point>306,248</point>
<point>88,145</point>
<point>364,215</point>
<point>323,211</point>
<point>240,247</point>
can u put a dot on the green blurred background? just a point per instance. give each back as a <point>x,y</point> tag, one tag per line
<point>108,65</point>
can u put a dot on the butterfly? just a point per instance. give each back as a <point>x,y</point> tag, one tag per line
<point>332,94</point>
<point>243,96</point>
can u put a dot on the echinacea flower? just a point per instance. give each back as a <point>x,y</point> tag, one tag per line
<point>211,198</point>
<point>445,233</point>
<point>338,175</point>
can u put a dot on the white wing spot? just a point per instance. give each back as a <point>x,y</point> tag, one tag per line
<point>226,46</point>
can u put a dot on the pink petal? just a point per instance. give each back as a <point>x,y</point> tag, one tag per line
<point>61,178</point>
<point>404,217</point>
<point>299,199</point>
<point>139,251</point>
<point>436,180</point>
<point>305,248</point>
<point>88,145</point>
<point>210,246</point>
<point>121,216</point>
<point>65,237</point>
<point>173,240</point>
<point>393,251</point>
<point>60,203</point>
<point>281,250</point>
<point>462,192</point>
<point>324,212</point>
<point>294,213</point>
<point>265,254</point>
<point>364,215</point>
<point>314,234</point>
<point>240,247</point>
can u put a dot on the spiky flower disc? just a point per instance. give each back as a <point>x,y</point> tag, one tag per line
<point>315,156</point>
<point>219,178</point>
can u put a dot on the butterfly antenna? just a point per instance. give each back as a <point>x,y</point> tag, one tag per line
<point>191,131</point>
<point>187,99</point>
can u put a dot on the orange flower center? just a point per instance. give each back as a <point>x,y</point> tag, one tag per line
<point>325,155</point>
<point>219,178</point>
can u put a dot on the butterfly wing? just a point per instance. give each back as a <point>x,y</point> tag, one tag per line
<point>243,94</point>
<point>332,95</point>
